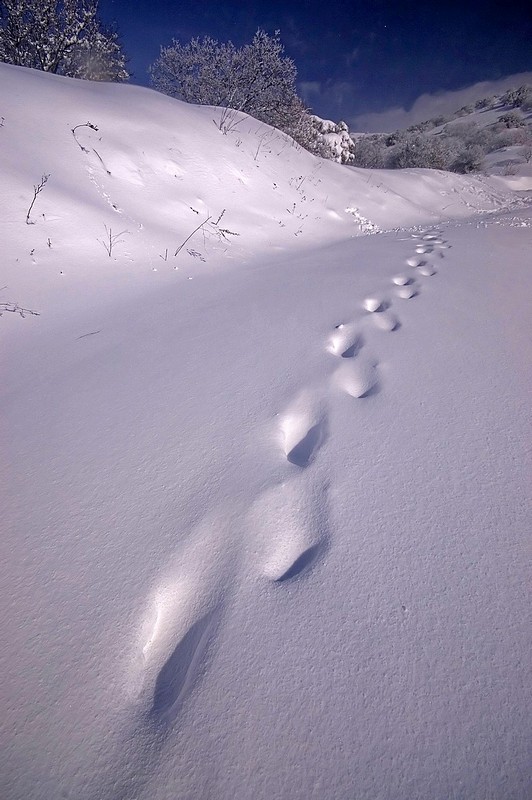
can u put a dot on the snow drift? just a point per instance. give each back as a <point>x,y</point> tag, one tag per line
<point>265,505</point>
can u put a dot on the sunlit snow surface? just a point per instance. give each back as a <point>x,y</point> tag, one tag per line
<point>265,504</point>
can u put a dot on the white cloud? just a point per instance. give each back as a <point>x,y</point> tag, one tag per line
<point>431,105</point>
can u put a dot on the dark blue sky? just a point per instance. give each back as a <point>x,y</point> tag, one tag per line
<point>352,57</point>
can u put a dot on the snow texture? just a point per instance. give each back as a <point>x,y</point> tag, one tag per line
<point>266,525</point>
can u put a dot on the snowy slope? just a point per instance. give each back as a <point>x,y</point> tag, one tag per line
<point>266,515</point>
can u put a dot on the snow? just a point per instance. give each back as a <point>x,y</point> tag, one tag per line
<point>266,510</point>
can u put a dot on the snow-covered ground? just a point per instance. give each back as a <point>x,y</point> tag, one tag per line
<point>266,502</point>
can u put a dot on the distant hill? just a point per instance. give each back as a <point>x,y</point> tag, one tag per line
<point>492,135</point>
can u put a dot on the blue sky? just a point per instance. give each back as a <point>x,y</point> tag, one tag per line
<point>352,57</point>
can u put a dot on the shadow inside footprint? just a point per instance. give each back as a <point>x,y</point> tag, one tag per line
<point>372,392</point>
<point>301,455</point>
<point>177,674</point>
<point>301,563</point>
<point>353,349</point>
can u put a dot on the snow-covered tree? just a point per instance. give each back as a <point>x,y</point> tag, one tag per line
<point>516,97</point>
<point>61,36</point>
<point>416,150</point>
<point>512,119</point>
<point>370,152</point>
<point>470,159</point>
<point>257,79</point>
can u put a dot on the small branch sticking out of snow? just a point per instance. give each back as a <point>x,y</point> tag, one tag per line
<point>36,191</point>
<point>228,120</point>
<point>192,234</point>
<point>84,149</point>
<point>82,125</point>
<point>101,161</point>
<point>16,309</point>
<point>213,227</point>
<point>111,239</point>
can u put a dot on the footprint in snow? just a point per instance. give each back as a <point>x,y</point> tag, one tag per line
<point>373,304</point>
<point>182,616</point>
<point>177,675</point>
<point>303,429</point>
<point>345,342</point>
<point>415,261</point>
<point>385,321</point>
<point>422,266</point>
<point>381,318</point>
<point>401,279</point>
<point>406,292</point>
<point>432,239</point>
<point>291,520</point>
<point>358,379</point>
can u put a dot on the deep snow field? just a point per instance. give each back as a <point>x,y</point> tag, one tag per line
<point>266,502</point>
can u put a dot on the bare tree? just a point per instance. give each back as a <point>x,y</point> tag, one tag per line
<point>61,36</point>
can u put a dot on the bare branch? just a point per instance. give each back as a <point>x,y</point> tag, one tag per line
<point>36,191</point>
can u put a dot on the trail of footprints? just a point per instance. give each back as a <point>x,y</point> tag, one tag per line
<point>303,427</point>
<point>290,520</point>
<point>357,375</point>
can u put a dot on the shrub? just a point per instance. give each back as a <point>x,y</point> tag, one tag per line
<point>512,120</point>
<point>516,97</point>
<point>470,159</point>
<point>509,138</point>
<point>416,150</point>
<point>369,152</point>
<point>257,79</point>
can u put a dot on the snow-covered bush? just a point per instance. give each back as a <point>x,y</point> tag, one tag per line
<point>441,119</point>
<point>465,110</point>
<point>61,36</point>
<point>509,137</point>
<point>332,140</point>
<point>470,159</point>
<point>370,152</point>
<point>516,97</point>
<point>257,79</point>
<point>418,150</point>
<point>463,129</point>
<point>512,120</point>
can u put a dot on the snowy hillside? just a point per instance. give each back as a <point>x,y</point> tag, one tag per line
<point>491,135</point>
<point>265,464</point>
